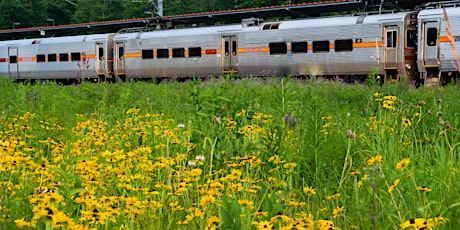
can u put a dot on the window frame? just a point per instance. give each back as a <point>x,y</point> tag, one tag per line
<point>277,48</point>
<point>343,45</point>
<point>162,53</point>
<point>194,52</point>
<point>148,54</point>
<point>296,45</point>
<point>317,46</point>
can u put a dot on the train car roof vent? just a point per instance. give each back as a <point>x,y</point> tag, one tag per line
<point>247,22</point>
<point>36,41</point>
<point>360,19</point>
<point>271,26</point>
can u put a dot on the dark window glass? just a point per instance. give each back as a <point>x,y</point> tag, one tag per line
<point>75,56</point>
<point>431,36</point>
<point>392,38</point>
<point>278,48</point>
<point>194,52</point>
<point>52,57</point>
<point>147,54</point>
<point>411,38</point>
<point>227,48</point>
<point>343,45</point>
<point>234,47</point>
<point>162,53</point>
<point>320,46</point>
<point>40,57</point>
<point>299,47</point>
<point>101,53</point>
<point>13,59</point>
<point>63,57</point>
<point>178,52</point>
<point>121,53</point>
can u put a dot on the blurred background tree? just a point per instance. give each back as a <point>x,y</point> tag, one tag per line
<point>31,13</point>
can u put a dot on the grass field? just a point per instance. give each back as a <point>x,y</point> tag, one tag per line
<point>229,154</point>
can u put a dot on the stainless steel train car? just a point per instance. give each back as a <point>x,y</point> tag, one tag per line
<point>438,40</point>
<point>60,58</point>
<point>415,44</point>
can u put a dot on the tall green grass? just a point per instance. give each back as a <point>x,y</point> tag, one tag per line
<point>229,153</point>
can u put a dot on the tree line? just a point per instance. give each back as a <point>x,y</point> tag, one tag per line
<point>33,13</point>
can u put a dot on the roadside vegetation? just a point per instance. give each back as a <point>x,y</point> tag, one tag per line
<point>229,154</point>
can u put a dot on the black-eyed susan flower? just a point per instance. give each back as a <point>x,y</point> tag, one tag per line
<point>424,189</point>
<point>263,224</point>
<point>309,191</point>
<point>423,223</point>
<point>336,212</point>
<point>355,173</point>
<point>406,122</point>
<point>393,186</point>
<point>375,160</point>
<point>402,164</point>
<point>333,197</point>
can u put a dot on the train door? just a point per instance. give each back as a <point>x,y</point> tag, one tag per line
<point>120,60</point>
<point>430,44</point>
<point>229,54</point>
<point>390,48</point>
<point>101,61</point>
<point>13,67</point>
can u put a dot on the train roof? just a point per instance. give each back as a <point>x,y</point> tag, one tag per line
<point>439,12</point>
<point>291,24</point>
<point>55,40</point>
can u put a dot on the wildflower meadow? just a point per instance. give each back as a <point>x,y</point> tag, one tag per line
<point>229,153</point>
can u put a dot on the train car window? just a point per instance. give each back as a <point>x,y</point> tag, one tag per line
<point>411,38</point>
<point>178,52</point>
<point>271,26</point>
<point>64,57</point>
<point>343,45</point>
<point>227,47</point>
<point>431,36</point>
<point>121,52</point>
<point>278,48</point>
<point>41,58</point>
<point>13,59</point>
<point>320,46</point>
<point>162,53</point>
<point>147,54</point>
<point>234,48</point>
<point>194,52</point>
<point>299,47</point>
<point>392,37</point>
<point>101,53</point>
<point>52,57</point>
<point>75,56</point>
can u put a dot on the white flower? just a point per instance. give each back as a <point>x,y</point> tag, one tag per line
<point>199,158</point>
<point>191,163</point>
<point>180,126</point>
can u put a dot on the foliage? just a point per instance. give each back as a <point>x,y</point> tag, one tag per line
<point>228,153</point>
<point>34,13</point>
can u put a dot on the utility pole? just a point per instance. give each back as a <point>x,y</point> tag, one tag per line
<point>153,8</point>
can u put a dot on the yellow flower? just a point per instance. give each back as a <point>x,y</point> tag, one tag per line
<point>355,173</point>
<point>393,186</point>
<point>424,188</point>
<point>309,191</point>
<point>403,164</point>
<point>337,211</point>
<point>242,113</point>
<point>375,160</point>
<point>263,225</point>
<point>335,196</point>
<point>406,122</point>
<point>422,223</point>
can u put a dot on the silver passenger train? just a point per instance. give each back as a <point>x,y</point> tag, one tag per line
<point>416,44</point>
